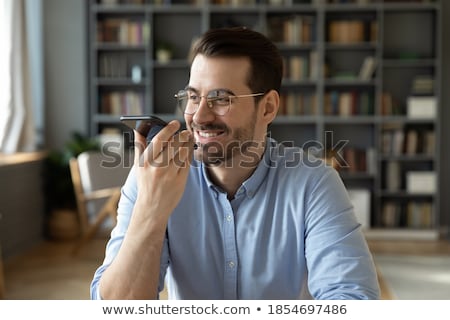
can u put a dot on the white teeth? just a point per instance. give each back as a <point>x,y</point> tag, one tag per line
<point>207,134</point>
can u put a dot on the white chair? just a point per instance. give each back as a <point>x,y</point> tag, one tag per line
<point>97,181</point>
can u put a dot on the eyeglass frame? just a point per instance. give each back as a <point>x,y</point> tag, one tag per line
<point>211,100</point>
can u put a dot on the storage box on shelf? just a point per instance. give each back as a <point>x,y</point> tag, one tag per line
<point>361,84</point>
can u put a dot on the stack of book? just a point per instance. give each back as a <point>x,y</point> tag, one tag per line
<point>123,31</point>
<point>413,214</point>
<point>122,103</point>
<point>348,103</point>
<point>298,104</point>
<point>422,104</point>
<point>346,31</point>
<point>292,29</point>
<point>397,140</point>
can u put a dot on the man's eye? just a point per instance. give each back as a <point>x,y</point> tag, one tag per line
<point>219,99</point>
<point>222,99</point>
<point>193,97</point>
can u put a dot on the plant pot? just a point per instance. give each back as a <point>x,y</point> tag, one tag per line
<point>63,224</point>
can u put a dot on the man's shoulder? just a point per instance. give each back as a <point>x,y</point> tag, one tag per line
<point>284,156</point>
<point>295,166</point>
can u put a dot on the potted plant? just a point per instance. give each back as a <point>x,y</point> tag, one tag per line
<point>62,223</point>
<point>164,51</point>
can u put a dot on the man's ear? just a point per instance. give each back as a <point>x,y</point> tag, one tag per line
<point>271,105</point>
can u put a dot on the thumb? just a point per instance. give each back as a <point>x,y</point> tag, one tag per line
<point>140,143</point>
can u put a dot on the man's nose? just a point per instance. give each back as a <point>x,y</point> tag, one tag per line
<point>204,112</point>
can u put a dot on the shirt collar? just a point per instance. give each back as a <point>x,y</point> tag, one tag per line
<point>252,184</point>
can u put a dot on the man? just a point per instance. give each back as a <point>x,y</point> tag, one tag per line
<point>244,217</point>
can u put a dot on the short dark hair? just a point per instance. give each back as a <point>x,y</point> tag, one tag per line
<point>265,58</point>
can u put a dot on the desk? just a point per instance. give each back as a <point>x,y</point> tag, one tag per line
<point>22,210</point>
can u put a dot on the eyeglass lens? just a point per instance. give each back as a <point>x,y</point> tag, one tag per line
<point>217,100</point>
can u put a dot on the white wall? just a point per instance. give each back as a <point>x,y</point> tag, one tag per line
<point>65,69</point>
<point>35,43</point>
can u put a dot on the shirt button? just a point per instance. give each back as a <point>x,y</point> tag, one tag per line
<point>229,218</point>
<point>231,264</point>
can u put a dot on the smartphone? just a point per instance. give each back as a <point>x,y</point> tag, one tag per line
<point>146,125</point>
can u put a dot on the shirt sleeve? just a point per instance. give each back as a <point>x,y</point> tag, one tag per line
<point>340,265</point>
<point>125,208</point>
<point>124,212</point>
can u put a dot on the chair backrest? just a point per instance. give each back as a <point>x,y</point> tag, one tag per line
<point>98,172</point>
<point>92,171</point>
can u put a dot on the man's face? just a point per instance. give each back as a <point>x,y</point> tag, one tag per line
<point>234,134</point>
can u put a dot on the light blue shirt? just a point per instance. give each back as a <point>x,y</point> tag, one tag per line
<point>289,233</point>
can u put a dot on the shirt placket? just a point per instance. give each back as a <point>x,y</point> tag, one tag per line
<point>230,252</point>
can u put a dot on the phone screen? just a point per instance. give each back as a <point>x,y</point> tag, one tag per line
<point>148,126</point>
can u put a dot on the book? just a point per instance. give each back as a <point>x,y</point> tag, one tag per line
<point>421,182</point>
<point>386,104</point>
<point>291,103</point>
<point>429,143</point>
<point>423,85</point>
<point>412,138</point>
<point>298,68</point>
<point>298,29</point>
<point>345,104</point>
<point>391,214</point>
<point>122,102</point>
<point>421,107</point>
<point>398,142</point>
<point>314,65</point>
<point>392,176</point>
<point>419,214</point>
<point>367,68</point>
<point>389,105</point>
<point>365,104</point>
<point>392,139</point>
<point>293,30</point>
<point>371,160</point>
<point>346,31</point>
<point>123,31</point>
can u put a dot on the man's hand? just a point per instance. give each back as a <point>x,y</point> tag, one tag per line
<point>162,167</point>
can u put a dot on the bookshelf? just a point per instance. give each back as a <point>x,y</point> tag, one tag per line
<point>361,86</point>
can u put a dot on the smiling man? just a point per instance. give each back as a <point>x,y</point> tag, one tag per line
<point>233,218</point>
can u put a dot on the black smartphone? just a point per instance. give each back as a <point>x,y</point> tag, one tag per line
<point>146,125</point>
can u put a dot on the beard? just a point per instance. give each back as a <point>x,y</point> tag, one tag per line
<point>241,144</point>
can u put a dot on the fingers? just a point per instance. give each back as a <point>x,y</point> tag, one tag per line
<point>139,146</point>
<point>180,149</point>
<point>162,139</point>
<point>173,153</point>
<point>167,148</point>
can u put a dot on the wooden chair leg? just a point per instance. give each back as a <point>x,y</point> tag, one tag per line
<point>108,209</point>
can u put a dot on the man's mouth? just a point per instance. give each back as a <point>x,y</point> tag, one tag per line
<point>209,134</point>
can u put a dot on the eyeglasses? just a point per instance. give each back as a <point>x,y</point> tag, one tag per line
<point>219,101</point>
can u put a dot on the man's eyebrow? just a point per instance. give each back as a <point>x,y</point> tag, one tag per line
<point>217,89</point>
<point>224,90</point>
<point>188,87</point>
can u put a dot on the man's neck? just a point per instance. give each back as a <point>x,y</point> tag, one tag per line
<point>231,174</point>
